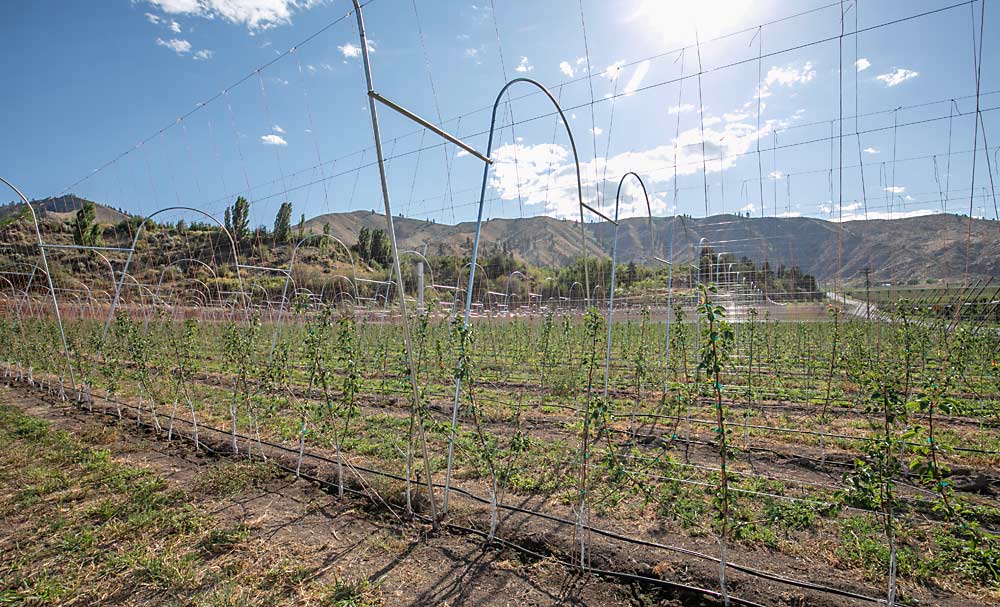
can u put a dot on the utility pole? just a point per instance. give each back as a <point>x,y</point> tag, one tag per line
<point>868,292</point>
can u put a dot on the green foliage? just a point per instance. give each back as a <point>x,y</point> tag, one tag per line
<point>374,247</point>
<point>283,223</point>
<point>240,220</point>
<point>86,230</point>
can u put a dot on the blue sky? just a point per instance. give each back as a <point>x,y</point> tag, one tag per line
<point>87,81</point>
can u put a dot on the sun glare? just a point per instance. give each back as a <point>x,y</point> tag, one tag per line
<point>676,21</point>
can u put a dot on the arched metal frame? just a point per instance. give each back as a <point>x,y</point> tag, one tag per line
<point>291,265</point>
<point>131,253</point>
<point>475,258</point>
<point>48,276</point>
<point>430,268</point>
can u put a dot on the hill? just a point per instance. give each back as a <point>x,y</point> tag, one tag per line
<point>897,250</point>
<point>62,208</point>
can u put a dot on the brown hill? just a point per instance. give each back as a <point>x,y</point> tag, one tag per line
<point>897,250</point>
<point>62,208</point>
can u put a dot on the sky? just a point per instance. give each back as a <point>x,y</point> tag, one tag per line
<point>720,106</point>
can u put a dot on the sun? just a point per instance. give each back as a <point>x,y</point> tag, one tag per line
<point>675,22</point>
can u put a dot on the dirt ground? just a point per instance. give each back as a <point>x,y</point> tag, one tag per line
<point>332,538</point>
<point>399,562</point>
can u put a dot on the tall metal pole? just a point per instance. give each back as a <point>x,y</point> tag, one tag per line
<point>410,359</point>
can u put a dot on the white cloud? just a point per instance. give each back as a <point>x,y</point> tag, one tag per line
<point>254,14</point>
<point>776,175</point>
<point>545,175</point>
<point>154,19</point>
<point>272,140</point>
<point>524,67</point>
<point>871,150</point>
<point>204,55</point>
<point>862,64</point>
<point>178,46</point>
<point>596,130</point>
<point>462,154</point>
<point>680,109</point>
<point>899,76</point>
<point>566,69</point>
<point>614,70</point>
<point>175,27</point>
<point>473,54</point>
<point>637,76</point>
<point>895,189</point>
<point>733,116</point>
<point>350,50</point>
<point>786,76</point>
<point>277,129</point>
<point>749,207</point>
<point>790,214</point>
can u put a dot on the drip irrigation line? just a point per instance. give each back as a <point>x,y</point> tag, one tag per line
<point>553,518</point>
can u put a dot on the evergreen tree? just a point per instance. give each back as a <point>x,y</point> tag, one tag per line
<point>241,219</point>
<point>380,248</point>
<point>302,225</point>
<point>86,231</point>
<point>283,223</point>
<point>365,244</point>
<point>229,220</point>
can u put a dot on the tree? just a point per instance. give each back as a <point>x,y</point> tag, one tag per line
<point>364,244</point>
<point>283,223</point>
<point>631,273</point>
<point>229,220</point>
<point>241,219</point>
<point>302,225</point>
<point>373,246</point>
<point>380,248</point>
<point>326,228</point>
<point>86,230</point>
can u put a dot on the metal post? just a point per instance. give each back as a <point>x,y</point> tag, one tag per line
<point>395,252</point>
<point>420,287</point>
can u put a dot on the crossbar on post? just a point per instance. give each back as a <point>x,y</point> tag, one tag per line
<point>428,125</point>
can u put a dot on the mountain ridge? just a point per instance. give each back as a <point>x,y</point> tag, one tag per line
<point>929,247</point>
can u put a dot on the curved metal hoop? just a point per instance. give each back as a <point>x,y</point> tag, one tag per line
<point>48,276</point>
<point>475,258</point>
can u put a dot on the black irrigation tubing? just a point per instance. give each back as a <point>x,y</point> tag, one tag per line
<point>602,532</point>
<point>807,432</point>
<point>602,572</point>
<point>330,485</point>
